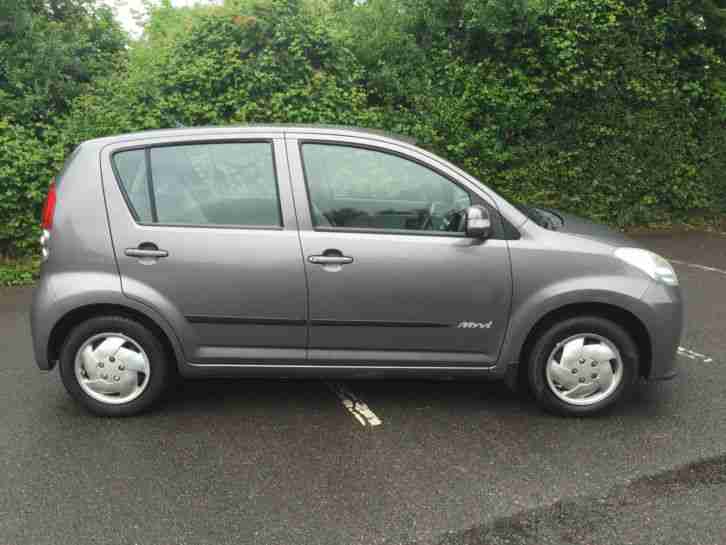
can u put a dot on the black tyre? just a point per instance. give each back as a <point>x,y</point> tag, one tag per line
<point>114,366</point>
<point>582,366</point>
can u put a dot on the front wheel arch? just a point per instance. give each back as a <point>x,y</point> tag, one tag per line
<point>620,316</point>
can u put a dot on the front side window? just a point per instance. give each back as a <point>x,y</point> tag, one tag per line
<point>203,184</point>
<point>353,187</point>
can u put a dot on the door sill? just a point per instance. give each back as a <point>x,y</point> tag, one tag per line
<point>321,370</point>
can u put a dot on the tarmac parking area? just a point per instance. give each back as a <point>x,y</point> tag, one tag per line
<point>288,462</point>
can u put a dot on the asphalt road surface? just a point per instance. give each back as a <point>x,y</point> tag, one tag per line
<point>288,462</point>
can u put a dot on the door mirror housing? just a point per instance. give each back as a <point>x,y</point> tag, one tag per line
<point>478,222</point>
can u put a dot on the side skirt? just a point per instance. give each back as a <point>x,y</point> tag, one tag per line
<point>328,371</point>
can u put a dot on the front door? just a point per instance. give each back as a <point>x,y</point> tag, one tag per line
<point>391,275</point>
<point>205,233</point>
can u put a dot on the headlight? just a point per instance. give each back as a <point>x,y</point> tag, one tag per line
<point>650,263</point>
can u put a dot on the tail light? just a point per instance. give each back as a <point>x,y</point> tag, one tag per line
<point>46,218</point>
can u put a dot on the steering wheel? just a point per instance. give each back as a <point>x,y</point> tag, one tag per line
<point>452,223</point>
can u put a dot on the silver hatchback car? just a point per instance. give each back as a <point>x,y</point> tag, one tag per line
<point>331,252</point>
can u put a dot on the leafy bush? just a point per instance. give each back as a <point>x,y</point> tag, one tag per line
<point>49,54</point>
<point>275,64</point>
<point>19,272</point>
<point>614,109</point>
<point>26,167</point>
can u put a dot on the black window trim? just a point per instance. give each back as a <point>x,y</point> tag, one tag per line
<point>150,186</point>
<point>149,176</point>
<point>498,231</point>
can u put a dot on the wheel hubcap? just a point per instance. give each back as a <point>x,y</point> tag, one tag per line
<point>112,368</point>
<point>584,369</point>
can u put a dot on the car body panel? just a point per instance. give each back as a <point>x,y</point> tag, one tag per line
<point>41,324</point>
<point>390,299</point>
<point>232,293</point>
<point>569,269</point>
<point>575,225</point>
<point>537,273</point>
<point>662,313</point>
<point>573,269</point>
<point>80,291</point>
<point>79,248</point>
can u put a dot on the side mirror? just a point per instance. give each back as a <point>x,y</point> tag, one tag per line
<point>478,222</point>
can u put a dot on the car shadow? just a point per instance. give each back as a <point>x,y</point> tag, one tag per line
<point>447,396</point>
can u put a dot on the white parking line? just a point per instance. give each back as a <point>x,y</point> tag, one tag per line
<point>355,406</point>
<point>699,267</point>
<point>691,354</point>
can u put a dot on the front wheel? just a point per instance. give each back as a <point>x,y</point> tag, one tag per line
<point>582,366</point>
<point>114,366</point>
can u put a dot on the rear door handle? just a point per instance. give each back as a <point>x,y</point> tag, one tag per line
<point>146,249</point>
<point>330,259</point>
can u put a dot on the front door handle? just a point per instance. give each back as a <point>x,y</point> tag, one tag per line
<point>330,257</point>
<point>146,250</point>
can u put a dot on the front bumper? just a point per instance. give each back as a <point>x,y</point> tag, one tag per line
<point>664,321</point>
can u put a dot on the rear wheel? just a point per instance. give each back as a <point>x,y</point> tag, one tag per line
<point>582,366</point>
<point>114,366</point>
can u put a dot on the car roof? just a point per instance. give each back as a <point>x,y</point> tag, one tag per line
<point>336,130</point>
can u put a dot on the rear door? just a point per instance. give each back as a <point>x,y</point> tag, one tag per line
<point>392,277</point>
<point>205,233</point>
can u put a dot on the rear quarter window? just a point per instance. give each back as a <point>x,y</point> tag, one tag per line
<point>131,170</point>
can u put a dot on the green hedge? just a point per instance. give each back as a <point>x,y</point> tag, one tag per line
<point>613,109</point>
<point>27,165</point>
<point>50,53</point>
<point>19,272</point>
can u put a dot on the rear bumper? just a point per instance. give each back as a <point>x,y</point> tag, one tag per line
<point>41,322</point>
<point>665,327</point>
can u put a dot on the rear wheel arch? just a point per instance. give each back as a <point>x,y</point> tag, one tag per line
<point>78,315</point>
<point>624,318</point>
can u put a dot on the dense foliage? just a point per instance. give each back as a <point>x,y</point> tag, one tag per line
<point>50,53</point>
<point>19,272</point>
<point>614,109</point>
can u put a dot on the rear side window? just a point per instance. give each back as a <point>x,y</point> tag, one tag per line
<point>202,184</point>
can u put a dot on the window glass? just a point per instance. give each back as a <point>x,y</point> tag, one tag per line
<point>362,188</point>
<point>131,168</point>
<point>215,184</point>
